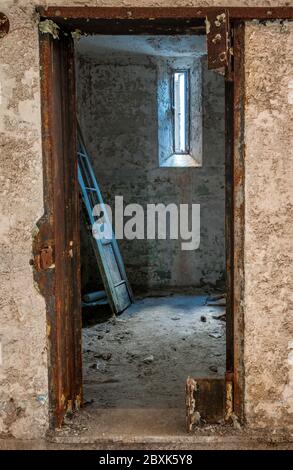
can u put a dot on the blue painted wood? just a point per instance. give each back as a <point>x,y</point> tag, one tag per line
<point>106,250</point>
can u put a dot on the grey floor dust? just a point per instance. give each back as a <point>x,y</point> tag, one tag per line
<point>142,358</point>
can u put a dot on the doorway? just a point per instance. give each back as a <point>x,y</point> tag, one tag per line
<point>129,113</point>
<point>65,379</point>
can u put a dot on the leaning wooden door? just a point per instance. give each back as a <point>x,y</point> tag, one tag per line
<point>58,238</point>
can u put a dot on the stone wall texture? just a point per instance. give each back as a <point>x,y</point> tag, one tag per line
<point>268,230</point>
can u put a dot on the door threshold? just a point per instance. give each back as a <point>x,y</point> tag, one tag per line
<point>148,426</point>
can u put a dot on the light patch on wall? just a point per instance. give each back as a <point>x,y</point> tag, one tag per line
<point>290,92</point>
<point>5,224</point>
<point>27,111</point>
<point>29,76</point>
<point>1,355</point>
<point>288,389</point>
<point>7,86</point>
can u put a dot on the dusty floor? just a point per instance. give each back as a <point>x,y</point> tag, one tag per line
<point>131,403</point>
<point>143,357</point>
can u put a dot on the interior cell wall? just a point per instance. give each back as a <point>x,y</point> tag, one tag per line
<point>268,225</point>
<point>118,111</point>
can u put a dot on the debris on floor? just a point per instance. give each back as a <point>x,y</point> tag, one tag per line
<point>218,300</point>
<point>220,317</point>
<point>149,359</point>
<point>150,354</point>
<point>215,335</point>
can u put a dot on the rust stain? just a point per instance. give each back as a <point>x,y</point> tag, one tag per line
<point>58,228</point>
<point>238,220</point>
<point>4,25</point>
<point>90,13</point>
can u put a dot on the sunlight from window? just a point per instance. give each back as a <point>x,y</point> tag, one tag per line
<point>180,112</point>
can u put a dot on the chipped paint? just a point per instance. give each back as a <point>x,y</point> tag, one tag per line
<point>208,26</point>
<point>78,402</point>
<point>217,38</point>
<point>220,20</point>
<point>192,415</point>
<point>235,421</point>
<point>76,34</point>
<point>223,56</point>
<point>229,400</point>
<point>49,27</point>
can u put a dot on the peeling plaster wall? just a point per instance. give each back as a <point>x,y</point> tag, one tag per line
<point>118,110</point>
<point>23,368</point>
<point>269,225</point>
<point>268,343</point>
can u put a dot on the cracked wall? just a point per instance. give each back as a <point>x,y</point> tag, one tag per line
<point>268,233</point>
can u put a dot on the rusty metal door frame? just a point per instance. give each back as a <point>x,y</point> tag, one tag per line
<point>56,245</point>
<point>140,20</point>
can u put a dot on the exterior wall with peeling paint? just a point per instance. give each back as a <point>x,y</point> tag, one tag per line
<point>268,233</point>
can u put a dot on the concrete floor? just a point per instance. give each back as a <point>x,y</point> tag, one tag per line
<point>136,365</point>
<point>242,441</point>
<point>143,358</point>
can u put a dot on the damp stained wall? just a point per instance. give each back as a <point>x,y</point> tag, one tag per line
<point>118,99</point>
<point>268,276</point>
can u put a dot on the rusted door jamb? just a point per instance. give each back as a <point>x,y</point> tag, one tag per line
<point>238,222</point>
<point>84,14</point>
<point>56,244</point>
